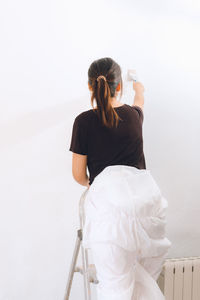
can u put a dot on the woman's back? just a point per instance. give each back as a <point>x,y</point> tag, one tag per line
<point>109,146</point>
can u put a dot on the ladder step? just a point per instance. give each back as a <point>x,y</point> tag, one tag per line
<point>78,269</point>
<point>91,272</point>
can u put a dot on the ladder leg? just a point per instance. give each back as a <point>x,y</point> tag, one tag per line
<point>73,264</point>
<point>86,274</point>
<point>88,279</point>
<point>84,251</point>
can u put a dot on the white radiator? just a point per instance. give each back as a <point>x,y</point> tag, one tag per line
<point>180,278</point>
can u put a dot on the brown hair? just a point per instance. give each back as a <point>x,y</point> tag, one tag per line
<point>102,90</point>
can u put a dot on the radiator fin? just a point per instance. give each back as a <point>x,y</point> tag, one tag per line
<point>180,278</point>
<point>196,280</point>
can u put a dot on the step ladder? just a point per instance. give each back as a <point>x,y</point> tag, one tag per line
<point>87,270</point>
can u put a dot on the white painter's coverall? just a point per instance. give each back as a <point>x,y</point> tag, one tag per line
<point>125,230</point>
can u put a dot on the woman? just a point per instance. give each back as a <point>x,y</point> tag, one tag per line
<point>124,208</point>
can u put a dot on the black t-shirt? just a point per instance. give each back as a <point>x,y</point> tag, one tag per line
<point>109,146</point>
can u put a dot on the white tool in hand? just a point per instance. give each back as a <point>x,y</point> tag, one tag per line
<point>131,75</point>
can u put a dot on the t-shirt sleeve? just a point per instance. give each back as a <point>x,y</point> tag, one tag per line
<point>140,112</point>
<point>79,138</point>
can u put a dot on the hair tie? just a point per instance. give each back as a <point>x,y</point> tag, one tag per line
<point>101,76</point>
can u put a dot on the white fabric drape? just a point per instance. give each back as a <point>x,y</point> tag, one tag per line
<point>125,218</point>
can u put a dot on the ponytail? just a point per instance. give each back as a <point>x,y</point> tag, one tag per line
<point>103,88</point>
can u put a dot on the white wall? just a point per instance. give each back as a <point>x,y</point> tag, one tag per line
<point>46,49</point>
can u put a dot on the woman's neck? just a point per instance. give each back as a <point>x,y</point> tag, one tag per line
<point>114,102</point>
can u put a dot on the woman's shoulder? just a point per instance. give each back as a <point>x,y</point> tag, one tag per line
<point>137,109</point>
<point>84,116</point>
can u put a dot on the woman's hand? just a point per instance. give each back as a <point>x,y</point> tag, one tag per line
<point>138,87</point>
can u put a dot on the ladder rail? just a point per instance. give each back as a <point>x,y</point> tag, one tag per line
<point>73,264</point>
<point>84,251</point>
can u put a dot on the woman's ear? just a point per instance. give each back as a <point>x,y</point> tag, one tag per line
<point>89,86</point>
<point>118,87</point>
